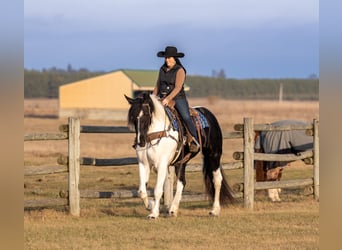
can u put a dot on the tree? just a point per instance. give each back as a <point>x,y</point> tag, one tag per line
<point>69,68</point>
<point>220,74</point>
<point>312,76</point>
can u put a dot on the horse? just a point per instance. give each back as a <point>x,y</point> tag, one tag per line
<point>160,145</point>
<point>279,142</point>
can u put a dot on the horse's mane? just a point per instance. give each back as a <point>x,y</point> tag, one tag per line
<point>159,110</point>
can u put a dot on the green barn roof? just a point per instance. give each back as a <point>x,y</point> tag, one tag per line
<point>143,78</point>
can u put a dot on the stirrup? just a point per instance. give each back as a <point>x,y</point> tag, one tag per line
<point>194,146</point>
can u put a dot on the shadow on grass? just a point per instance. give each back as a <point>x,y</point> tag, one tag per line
<point>62,208</point>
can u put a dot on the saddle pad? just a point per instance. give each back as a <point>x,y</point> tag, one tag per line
<point>172,119</point>
<point>204,121</point>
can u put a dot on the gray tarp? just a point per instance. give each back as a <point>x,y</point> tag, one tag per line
<point>284,142</point>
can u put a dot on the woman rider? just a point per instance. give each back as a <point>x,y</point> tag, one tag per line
<point>170,86</point>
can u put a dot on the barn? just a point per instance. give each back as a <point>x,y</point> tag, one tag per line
<point>102,97</point>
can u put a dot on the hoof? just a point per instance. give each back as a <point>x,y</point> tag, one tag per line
<point>275,199</point>
<point>215,211</point>
<point>150,205</point>
<point>211,213</point>
<point>152,217</point>
<point>173,213</point>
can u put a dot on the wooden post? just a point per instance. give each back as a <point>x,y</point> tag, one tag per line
<point>248,148</point>
<point>316,159</point>
<point>281,92</point>
<point>168,187</point>
<point>74,165</point>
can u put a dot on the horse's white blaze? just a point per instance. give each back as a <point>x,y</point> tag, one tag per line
<point>138,127</point>
<point>217,179</point>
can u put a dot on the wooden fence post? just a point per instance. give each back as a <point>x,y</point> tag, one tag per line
<point>168,187</point>
<point>74,165</point>
<point>248,146</point>
<point>316,160</point>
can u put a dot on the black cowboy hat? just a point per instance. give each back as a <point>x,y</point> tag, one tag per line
<point>170,51</point>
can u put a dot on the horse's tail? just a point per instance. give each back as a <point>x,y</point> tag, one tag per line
<point>212,152</point>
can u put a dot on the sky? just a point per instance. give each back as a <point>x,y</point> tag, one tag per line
<point>245,38</point>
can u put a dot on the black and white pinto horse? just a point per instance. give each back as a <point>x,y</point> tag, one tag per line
<point>157,144</point>
<point>279,142</point>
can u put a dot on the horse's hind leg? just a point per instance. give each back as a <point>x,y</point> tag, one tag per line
<point>217,180</point>
<point>173,211</point>
<point>274,175</point>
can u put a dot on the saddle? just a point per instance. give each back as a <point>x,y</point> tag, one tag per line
<point>185,137</point>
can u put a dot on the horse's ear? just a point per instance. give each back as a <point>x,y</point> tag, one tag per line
<point>146,95</point>
<point>130,100</point>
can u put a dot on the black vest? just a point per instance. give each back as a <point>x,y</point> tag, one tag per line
<point>167,80</point>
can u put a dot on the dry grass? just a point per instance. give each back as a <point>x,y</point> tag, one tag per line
<point>121,224</point>
<point>286,225</point>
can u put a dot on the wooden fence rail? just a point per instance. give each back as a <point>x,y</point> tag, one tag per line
<point>46,136</point>
<point>72,162</point>
<point>239,187</point>
<point>98,129</point>
<point>276,157</point>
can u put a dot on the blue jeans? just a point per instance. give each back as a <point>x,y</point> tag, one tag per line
<point>182,107</point>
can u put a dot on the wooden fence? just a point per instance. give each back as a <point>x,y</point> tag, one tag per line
<point>72,162</point>
<point>249,156</point>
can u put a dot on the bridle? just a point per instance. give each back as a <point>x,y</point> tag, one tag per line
<point>146,111</point>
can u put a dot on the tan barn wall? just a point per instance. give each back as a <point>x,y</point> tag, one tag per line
<point>95,114</point>
<point>101,92</point>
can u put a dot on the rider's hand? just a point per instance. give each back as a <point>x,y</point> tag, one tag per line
<point>165,101</point>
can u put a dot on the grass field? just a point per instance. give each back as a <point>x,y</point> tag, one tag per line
<point>292,223</point>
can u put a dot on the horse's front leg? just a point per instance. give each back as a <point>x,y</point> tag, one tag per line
<point>144,174</point>
<point>158,190</point>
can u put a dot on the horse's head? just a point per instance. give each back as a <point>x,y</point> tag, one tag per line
<point>140,115</point>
